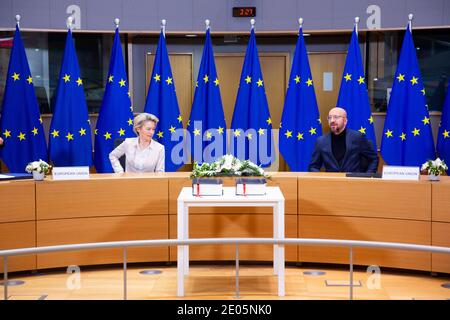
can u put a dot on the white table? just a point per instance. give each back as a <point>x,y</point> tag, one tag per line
<point>273,198</point>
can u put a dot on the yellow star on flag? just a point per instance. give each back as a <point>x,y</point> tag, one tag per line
<point>66,78</point>
<point>299,136</point>
<point>160,134</point>
<point>172,129</point>
<point>169,80</point>
<point>121,132</point>
<point>426,120</point>
<point>69,136</point>
<point>288,134</point>
<point>55,133</point>
<point>423,91</point>
<point>7,133</point>
<point>220,130</point>
<point>249,136</point>
<point>95,131</point>
<point>35,131</point>
<point>319,120</point>
<point>180,118</point>
<point>107,135</point>
<point>416,132</point>
<point>157,77</point>
<point>40,119</point>
<point>122,82</point>
<point>82,132</point>
<point>206,78</point>
<point>110,78</point>
<point>237,133</point>
<point>130,122</point>
<point>414,80</point>
<point>388,134</point>
<point>347,77</point>
<point>79,81</point>
<point>269,121</point>
<point>403,136</point>
<point>362,130</point>
<point>216,82</point>
<point>446,134</point>
<point>371,119</point>
<point>196,132</point>
<point>401,77</point>
<point>30,80</point>
<point>248,79</point>
<point>259,82</point>
<point>309,82</point>
<point>15,76</point>
<point>360,80</point>
<point>297,79</point>
<point>312,131</point>
<point>21,136</point>
<point>208,135</point>
<point>261,131</point>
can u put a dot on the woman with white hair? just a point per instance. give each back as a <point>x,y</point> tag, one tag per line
<point>143,154</point>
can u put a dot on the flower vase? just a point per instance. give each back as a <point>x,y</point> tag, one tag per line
<point>433,177</point>
<point>38,176</point>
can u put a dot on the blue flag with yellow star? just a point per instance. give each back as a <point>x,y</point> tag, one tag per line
<point>407,138</point>
<point>162,102</point>
<point>70,132</point>
<point>20,122</point>
<point>115,120</point>
<point>443,140</point>
<point>251,125</point>
<point>300,122</point>
<point>353,96</point>
<point>207,125</point>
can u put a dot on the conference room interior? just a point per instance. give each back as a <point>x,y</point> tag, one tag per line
<point>106,208</point>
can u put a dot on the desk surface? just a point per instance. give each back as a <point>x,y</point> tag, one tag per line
<point>229,195</point>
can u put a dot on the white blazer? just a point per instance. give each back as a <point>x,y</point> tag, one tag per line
<point>150,159</point>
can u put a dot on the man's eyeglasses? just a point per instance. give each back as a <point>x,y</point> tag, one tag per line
<point>334,117</point>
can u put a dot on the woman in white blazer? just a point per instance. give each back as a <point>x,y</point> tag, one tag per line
<point>143,154</point>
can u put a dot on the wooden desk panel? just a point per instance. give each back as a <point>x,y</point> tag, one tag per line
<point>288,186</point>
<point>87,230</point>
<point>219,225</point>
<point>17,199</point>
<point>441,200</point>
<point>101,197</point>
<point>366,229</point>
<point>361,197</point>
<point>441,237</point>
<point>16,235</point>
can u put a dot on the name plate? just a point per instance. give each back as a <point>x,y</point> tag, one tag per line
<point>70,173</point>
<point>400,173</point>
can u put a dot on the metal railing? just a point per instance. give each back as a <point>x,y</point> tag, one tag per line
<point>223,241</point>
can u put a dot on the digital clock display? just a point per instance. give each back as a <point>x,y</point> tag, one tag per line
<point>244,11</point>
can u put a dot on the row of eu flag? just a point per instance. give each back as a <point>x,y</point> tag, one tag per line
<point>407,137</point>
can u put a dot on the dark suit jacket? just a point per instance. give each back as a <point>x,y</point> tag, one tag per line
<point>360,155</point>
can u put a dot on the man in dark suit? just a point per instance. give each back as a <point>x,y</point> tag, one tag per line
<point>343,150</point>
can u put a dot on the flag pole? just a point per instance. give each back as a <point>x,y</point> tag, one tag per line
<point>18,20</point>
<point>300,22</point>
<point>117,22</point>
<point>163,27</point>
<point>207,24</point>
<point>70,23</point>
<point>252,22</point>
<point>356,24</point>
<point>410,18</point>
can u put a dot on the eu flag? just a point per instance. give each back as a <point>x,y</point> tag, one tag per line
<point>251,125</point>
<point>443,140</point>
<point>115,120</point>
<point>353,95</point>
<point>300,122</point>
<point>70,132</point>
<point>207,125</point>
<point>407,138</point>
<point>162,102</point>
<point>20,122</point>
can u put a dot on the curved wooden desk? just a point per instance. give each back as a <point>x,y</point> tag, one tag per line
<point>143,206</point>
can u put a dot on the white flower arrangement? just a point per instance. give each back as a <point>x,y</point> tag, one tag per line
<point>227,166</point>
<point>39,166</point>
<point>436,167</point>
